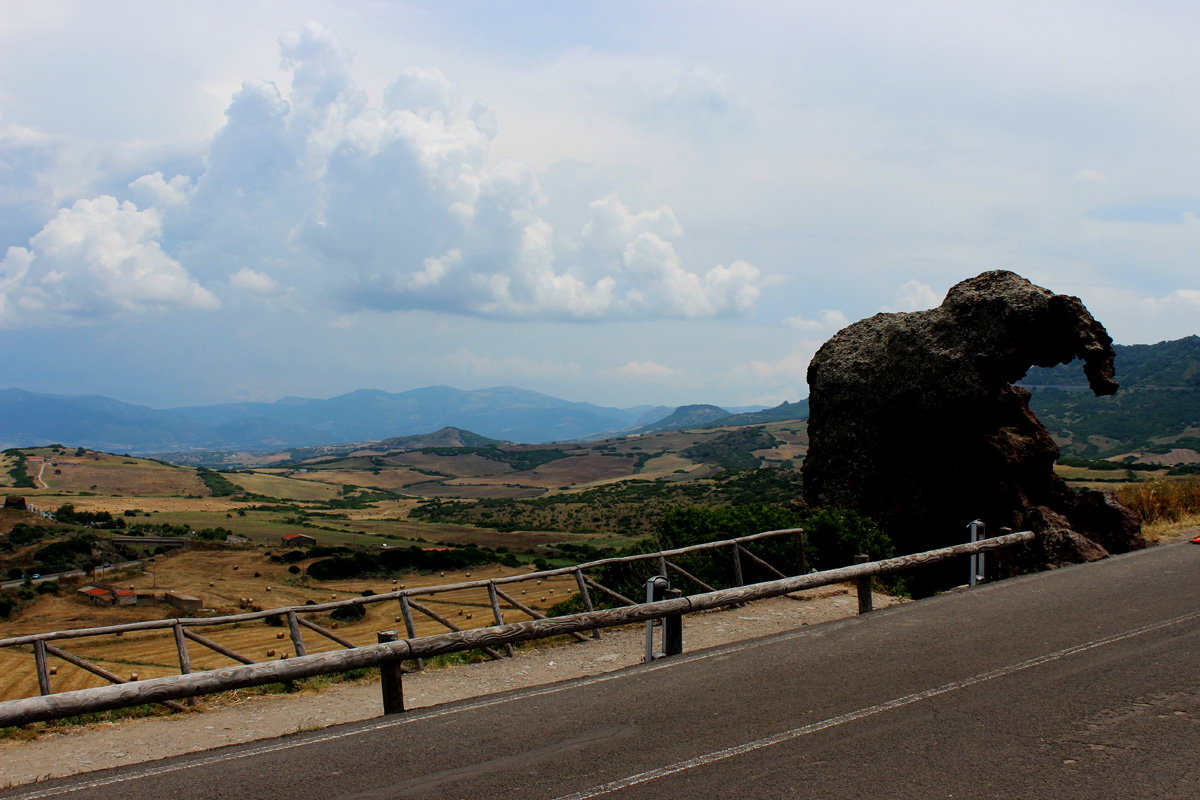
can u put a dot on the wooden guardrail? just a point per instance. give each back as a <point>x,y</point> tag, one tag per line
<point>183,628</point>
<point>388,654</point>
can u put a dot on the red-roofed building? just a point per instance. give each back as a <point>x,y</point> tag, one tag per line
<point>298,540</point>
<point>110,595</point>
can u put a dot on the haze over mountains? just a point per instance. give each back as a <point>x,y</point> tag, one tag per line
<point>505,413</point>
<point>1157,407</point>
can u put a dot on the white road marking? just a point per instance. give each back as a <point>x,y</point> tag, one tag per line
<point>631,780</point>
<point>795,733</point>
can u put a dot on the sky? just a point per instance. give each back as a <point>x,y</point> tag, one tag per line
<point>624,203</point>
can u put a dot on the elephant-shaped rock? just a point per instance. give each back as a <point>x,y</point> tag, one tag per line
<point>915,421</point>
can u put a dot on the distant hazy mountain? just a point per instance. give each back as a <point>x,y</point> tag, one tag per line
<point>781,412</point>
<point>504,413</point>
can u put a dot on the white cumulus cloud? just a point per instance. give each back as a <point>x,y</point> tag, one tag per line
<point>247,280</point>
<point>393,206</point>
<point>914,296</point>
<point>97,258</point>
<point>829,320</point>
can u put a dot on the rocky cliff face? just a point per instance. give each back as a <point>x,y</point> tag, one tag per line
<point>914,420</point>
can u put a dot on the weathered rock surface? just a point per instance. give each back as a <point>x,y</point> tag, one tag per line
<point>914,421</point>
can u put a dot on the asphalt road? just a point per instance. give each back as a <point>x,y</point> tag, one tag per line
<point>75,573</point>
<point>1078,683</point>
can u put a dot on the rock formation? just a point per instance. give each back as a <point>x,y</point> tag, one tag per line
<point>914,420</point>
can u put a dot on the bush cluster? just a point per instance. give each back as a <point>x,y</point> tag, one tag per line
<point>401,559</point>
<point>1159,500</point>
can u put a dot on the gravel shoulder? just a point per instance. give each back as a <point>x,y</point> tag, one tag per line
<point>253,717</point>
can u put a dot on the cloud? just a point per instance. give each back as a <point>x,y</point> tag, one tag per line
<point>508,366</point>
<point>792,367</point>
<point>829,320</point>
<point>612,225</point>
<point>392,207</point>
<point>650,372</point>
<point>98,258</point>
<point>247,280</point>
<point>424,92</point>
<point>914,296</point>
<point>1089,175</point>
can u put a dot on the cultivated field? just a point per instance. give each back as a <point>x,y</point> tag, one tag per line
<point>284,488</point>
<point>221,578</point>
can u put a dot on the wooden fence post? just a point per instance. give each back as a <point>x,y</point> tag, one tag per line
<point>865,601</point>
<point>391,678</point>
<point>185,661</point>
<point>498,615</point>
<point>294,630</point>
<point>673,628</point>
<point>43,672</point>
<point>587,598</point>
<point>406,612</point>
<point>737,565</point>
<point>801,561</point>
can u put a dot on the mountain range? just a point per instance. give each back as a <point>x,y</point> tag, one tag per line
<point>504,413</point>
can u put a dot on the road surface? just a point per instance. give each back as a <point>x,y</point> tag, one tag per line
<point>1078,683</point>
<point>74,573</point>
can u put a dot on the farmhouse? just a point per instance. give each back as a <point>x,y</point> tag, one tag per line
<point>105,595</point>
<point>185,601</point>
<point>298,540</point>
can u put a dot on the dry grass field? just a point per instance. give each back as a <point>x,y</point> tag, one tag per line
<point>284,488</point>
<point>475,489</point>
<point>221,578</point>
<point>462,466</point>
<point>393,479</point>
<point>123,475</point>
<point>117,505</point>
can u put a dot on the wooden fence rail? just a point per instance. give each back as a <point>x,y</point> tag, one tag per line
<point>389,653</point>
<point>400,594</point>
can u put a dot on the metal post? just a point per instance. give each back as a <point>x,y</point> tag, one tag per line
<point>978,532</point>
<point>673,628</point>
<point>656,589</point>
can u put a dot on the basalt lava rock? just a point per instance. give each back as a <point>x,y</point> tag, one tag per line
<point>914,420</point>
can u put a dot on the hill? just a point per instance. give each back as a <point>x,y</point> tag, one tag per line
<point>784,412</point>
<point>1154,417</point>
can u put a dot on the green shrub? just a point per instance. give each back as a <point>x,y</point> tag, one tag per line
<point>348,613</point>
